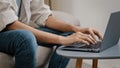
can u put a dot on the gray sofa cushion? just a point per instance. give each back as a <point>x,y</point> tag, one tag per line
<point>6,61</point>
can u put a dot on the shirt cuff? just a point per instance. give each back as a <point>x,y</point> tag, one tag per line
<point>42,20</point>
<point>6,18</point>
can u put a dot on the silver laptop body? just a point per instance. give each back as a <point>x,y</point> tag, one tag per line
<point>111,37</point>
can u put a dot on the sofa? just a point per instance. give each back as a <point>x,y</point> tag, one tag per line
<point>43,53</point>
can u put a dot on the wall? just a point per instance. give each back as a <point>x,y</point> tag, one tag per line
<point>91,13</point>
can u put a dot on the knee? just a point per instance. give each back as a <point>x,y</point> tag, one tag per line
<point>26,41</point>
<point>25,34</point>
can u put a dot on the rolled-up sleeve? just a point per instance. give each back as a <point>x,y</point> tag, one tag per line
<point>39,11</point>
<point>7,14</point>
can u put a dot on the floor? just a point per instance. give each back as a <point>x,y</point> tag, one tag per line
<point>106,63</point>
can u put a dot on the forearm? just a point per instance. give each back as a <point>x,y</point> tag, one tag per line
<point>54,23</point>
<point>40,35</point>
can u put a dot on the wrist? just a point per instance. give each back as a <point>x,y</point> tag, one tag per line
<point>60,39</point>
<point>75,28</point>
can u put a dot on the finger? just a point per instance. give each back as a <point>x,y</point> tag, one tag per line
<point>89,39</point>
<point>98,34</point>
<point>83,41</point>
<point>86,37</point>
<point>92,34</point>
<point>94,41</point>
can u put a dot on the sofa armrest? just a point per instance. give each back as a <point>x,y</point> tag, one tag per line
<point>6,61</point>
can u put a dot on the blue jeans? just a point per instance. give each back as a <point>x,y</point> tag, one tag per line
<point>21,44</point>
<point>56,61</point>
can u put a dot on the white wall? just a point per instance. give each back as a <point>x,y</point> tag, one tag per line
<point>91,13</point>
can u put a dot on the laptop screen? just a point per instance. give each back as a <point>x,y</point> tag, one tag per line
<point>112,32</point>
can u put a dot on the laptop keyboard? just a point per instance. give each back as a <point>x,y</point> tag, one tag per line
<point>83,47</point>
<point>80,45</point>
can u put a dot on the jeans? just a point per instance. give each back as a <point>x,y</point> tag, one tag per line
<point>56,61</point>
<point>21,44</point>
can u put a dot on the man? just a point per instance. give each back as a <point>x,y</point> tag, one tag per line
<point>18,38</point>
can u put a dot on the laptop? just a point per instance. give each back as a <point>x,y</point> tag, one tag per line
<point>111,37</point>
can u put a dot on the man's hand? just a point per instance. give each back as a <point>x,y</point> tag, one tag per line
<point>89,31</point>
<point>92,32</point>
<point>78,37</point>
<point>83,35</point>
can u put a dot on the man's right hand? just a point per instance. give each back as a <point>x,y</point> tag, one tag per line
<point>78,37</point>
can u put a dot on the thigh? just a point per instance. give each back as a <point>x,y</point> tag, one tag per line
<point>10,39</point>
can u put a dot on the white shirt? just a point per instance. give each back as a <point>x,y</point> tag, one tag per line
<point>33,12</point>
